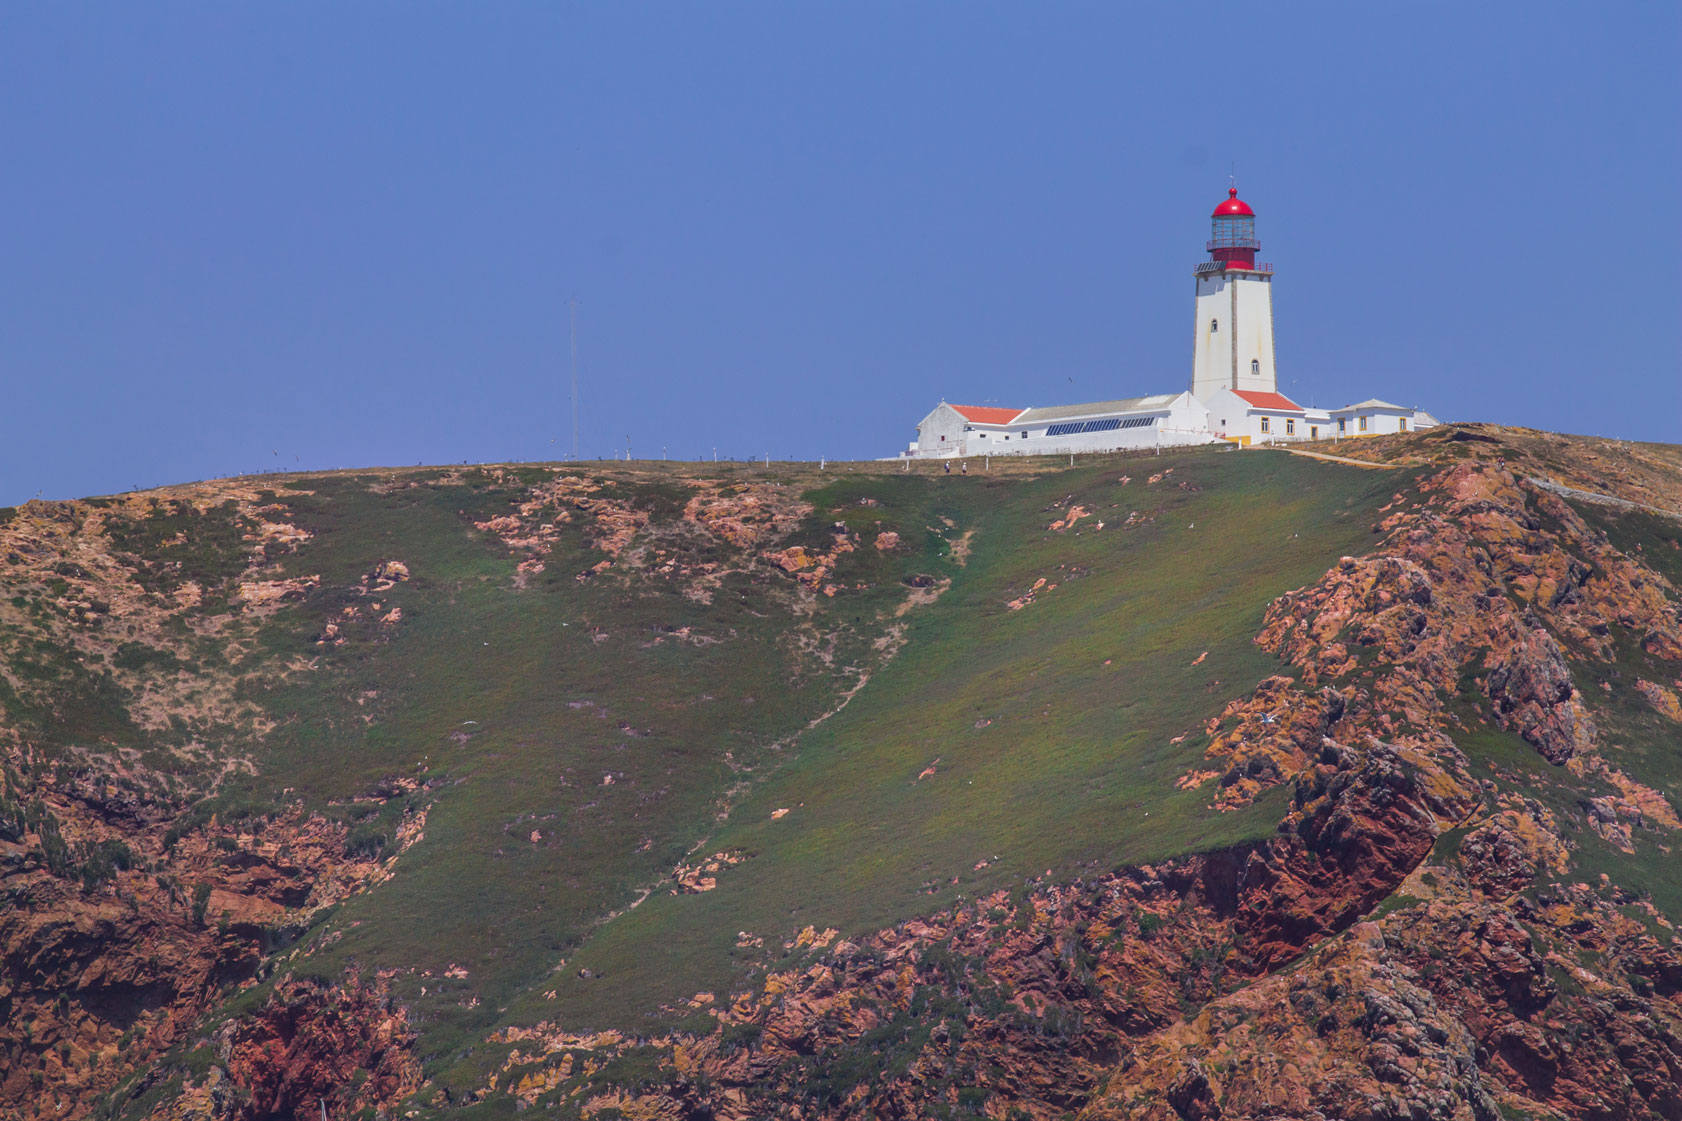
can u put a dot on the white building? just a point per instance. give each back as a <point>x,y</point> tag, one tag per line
<point>945,431</point>
<point>1233,395</point>
<point>1378,418</point>
<point>1164,420</point>
<point>1248,416</point>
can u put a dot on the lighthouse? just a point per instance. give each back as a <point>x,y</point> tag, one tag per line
<point>1234,348</point>
<point>1234,394</point>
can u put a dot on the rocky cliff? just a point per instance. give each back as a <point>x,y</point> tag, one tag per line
<point>1449,787</point>
<point>1420,940</point>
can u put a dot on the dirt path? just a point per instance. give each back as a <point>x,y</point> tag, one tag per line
<point>1340,459</point>
<point>1603,499</point>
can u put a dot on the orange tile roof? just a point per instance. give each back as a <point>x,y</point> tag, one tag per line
<point>986,414</point>
<point>1268,400</point>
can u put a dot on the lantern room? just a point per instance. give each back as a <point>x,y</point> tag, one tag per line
<point>1233,224</point>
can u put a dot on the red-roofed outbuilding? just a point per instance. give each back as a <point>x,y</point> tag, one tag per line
<point>1250,416</point>
<point>947,429</point>
<point>986,414</point>
<point>1273,401</point>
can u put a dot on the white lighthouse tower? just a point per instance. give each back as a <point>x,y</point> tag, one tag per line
<point>1234,347</point>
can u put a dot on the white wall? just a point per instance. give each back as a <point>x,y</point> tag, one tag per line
<point>1228,415</point>
<point>1232,416</point>
<point>1184,420</point>
<point>1241,305</point>
<point>1040,444</point>
<point>1254,329</point>
<point>1211,366</point>
<point>1380,422</point>
<point>1188,414</point>
<point>944,421</point>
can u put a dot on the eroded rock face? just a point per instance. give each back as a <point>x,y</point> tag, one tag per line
<point>752,518</point>
<point>1478,587</point>
<point>1356,1036</point>
<point>1493,964</point>
<point>122,924</point>
<point>345,1048</point>
<point>1468,582</point>
<point>102,981</point>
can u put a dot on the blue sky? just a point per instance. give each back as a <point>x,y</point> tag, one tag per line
<point>236,237</point>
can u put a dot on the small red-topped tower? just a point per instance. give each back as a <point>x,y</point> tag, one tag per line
<point>1234,232</point>
<point>1234,348</point>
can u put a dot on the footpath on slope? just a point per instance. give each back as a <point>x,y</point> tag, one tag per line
<point>1601,499</point>
<point>1339,458</point>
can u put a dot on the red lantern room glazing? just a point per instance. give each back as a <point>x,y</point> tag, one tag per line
<point>1234,242</point>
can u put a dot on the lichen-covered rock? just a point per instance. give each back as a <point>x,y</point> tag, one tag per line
<point>1352,1036</point>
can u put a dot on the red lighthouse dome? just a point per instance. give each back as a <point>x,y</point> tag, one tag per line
<point>1234,242</point>
<point>1233,206</point>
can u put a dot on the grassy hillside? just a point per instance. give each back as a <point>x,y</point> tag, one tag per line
<point>1049,728</point>
<point>607,737</point>
<point>649,697</point>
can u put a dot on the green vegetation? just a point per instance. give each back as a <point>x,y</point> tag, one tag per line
<point>1048,757</point>
<point>176,543</point>
<point>574,740</point>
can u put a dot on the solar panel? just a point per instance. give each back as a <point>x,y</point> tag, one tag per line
<point>1108,424</point>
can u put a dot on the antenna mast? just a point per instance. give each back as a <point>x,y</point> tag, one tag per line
<point>572,308</point>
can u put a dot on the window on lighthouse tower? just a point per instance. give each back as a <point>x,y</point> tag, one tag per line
<point>1255,367</point>
<point>1214,325</point>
